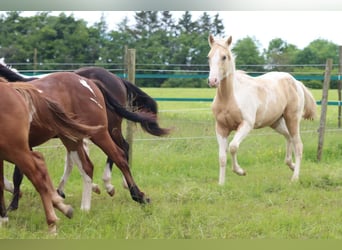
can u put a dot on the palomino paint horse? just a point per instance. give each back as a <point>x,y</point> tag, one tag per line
<point>22,105</point>
<point>114,89</point>
<point>80,96</point>
<point>243,103</point>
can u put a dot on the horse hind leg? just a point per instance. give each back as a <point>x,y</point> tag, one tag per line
<point>117,155</point>
<point>68,168</point>
<point>17,180</point>
<point>33,166</point>
<point>292,124</point>
<point>298,151</point>
<point>281,128</point>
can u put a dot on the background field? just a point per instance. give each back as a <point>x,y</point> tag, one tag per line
<point>180,174</point>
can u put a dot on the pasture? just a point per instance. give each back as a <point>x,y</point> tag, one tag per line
<point>180,175</point>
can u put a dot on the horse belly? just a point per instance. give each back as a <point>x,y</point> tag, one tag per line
<point>267,117</point>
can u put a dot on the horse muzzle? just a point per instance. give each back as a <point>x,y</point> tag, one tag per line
<point>213,82</point>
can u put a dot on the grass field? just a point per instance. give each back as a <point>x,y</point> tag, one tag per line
<point>180,175</point>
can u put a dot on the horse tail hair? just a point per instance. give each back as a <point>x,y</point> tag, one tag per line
<point>12,76</point>
<point>141,116</point>
<point>309,104</point>
<point>55,117</point>
<point>144,102</point>
<point>68,125</point>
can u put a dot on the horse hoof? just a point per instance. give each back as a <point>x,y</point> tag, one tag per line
<point>53,229</point>
<point>147,200</point>
<point>240,172</point>
<point>61,193</point>
<point>96,189</point>
<point>111,192</point>
<point>3,221</point>
<point>70,212</point>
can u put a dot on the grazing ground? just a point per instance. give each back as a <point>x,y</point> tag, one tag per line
<point>180,175</point>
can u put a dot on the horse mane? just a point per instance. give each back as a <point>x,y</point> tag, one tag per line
<point>49,114</point>
<point>11,75</point>
<point>2,79</point>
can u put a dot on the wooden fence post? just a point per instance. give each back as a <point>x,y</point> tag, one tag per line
<point>339,85</point>
<point>130,60</point>
<point>321,130</point>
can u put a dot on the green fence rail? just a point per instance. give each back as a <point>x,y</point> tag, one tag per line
<point>203,76</point>
<point>191,76</point>
<point>175,99</point>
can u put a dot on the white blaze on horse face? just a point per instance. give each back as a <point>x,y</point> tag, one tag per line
<point>218,64</point>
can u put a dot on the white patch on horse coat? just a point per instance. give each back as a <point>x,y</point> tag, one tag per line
<point>8,185</point>
<point>107,177</point>
<point>85,84</point>
<point>98,104</point>
<point>87,182</point>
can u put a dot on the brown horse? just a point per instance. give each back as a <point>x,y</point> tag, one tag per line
<point>82,97</point>
<point>116,91</point>
<point>23,105</point>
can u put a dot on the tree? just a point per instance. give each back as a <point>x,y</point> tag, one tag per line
<point>247,55</point>
<point>317,52</point>
<point>279,55</point>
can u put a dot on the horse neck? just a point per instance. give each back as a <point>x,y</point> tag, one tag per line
<point>225,91</point>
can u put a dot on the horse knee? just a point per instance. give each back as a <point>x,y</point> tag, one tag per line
<point>233,148</point>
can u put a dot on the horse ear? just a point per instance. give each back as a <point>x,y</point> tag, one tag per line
<point>229,40</point>
<point>211,40</point>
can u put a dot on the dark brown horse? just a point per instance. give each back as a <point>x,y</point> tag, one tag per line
<point>22,106</point>
<point>82,97</point>
<point>115,90</point>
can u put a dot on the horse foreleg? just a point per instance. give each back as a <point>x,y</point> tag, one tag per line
<point>222,142</point>
<point>107,177</point>
<point>8,186</point>
<point>67,171</point>
<point>86,170</point>
<point>3,213</point>
<point>86,142</point>
<point>240,134</point>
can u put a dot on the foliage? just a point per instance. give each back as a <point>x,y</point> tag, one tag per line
<point>247,53</point>
<point>45,43</point>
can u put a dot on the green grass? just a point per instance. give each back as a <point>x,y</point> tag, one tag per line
<point>180,175</point>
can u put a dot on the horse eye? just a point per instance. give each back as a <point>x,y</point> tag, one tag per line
<point>224,58</point>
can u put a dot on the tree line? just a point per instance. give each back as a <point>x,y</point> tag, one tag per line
<point>163,45</point>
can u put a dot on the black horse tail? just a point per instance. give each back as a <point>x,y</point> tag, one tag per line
<point>12,76</point>
<point>145,103</point>
<point>111,103</point>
